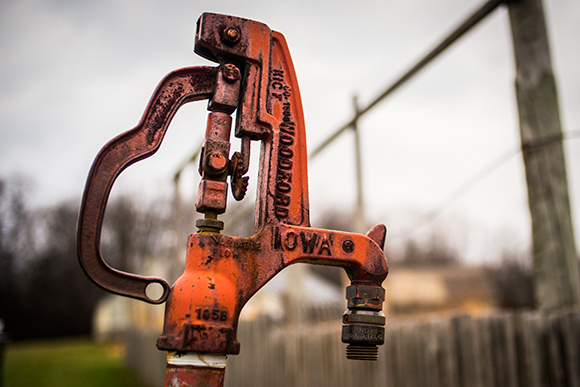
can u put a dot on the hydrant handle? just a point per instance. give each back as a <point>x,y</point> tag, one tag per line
<point>177,88</point>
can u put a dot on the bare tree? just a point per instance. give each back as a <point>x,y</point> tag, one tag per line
<point>514,280</point>
<point>435,250</point>
<point>16,246</point>
<point>135,231</point>
<point>43,291</point>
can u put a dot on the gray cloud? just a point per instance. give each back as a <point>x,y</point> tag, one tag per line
<point>75,74</point>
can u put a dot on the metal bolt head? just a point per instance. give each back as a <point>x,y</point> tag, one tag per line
<point>231,73</point>
<point>217,162</point>
<point>231,35</point>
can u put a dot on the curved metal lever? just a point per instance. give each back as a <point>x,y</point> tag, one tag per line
<point>176,89</point>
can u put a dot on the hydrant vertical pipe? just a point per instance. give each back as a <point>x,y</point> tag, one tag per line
<point>176,376</point>
<point>195,369</point>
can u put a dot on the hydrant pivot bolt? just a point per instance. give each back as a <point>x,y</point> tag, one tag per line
<point>231,73</point>
<point>231,36</point>
<point>217,163</point>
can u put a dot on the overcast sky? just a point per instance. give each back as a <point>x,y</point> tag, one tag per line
<point>74,74</point>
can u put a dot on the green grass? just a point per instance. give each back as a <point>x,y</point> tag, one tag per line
<point>66,363</point>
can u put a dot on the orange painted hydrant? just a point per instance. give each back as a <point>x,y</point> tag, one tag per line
<point>256,79</point>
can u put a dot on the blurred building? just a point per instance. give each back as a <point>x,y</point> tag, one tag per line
<point>440,289</point>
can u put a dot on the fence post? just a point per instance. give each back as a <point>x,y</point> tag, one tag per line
<point>557,281</point>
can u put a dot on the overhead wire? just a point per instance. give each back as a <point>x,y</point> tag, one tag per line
<point>482,173</point>
<point>466,26</point>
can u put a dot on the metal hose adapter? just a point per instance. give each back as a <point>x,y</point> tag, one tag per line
<point>363,323</point>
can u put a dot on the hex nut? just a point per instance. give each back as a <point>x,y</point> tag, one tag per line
<point>365,297</point>
<point>360,317</point>
<point>365,291</point>
<point>210,225</point>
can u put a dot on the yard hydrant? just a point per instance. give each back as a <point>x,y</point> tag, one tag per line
<point>255,78</point>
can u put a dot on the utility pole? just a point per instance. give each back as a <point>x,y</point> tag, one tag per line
<point>556,269</point>
<point>359,216</point>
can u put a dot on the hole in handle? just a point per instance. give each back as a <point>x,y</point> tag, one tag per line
<point>155,291</point>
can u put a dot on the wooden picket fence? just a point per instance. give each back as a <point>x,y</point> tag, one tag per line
<point>503,349</point>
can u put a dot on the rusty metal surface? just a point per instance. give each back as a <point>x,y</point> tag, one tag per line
<point>222,273</point>
<point>179,376</point>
